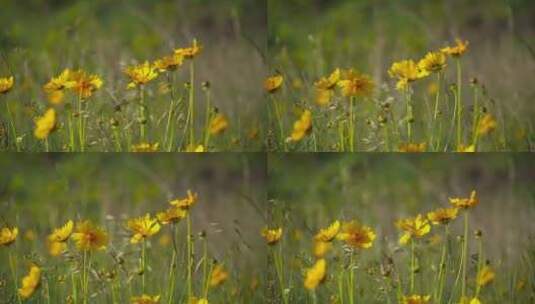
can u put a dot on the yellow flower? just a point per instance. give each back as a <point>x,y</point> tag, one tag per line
<point>169,63</point>
<point>6,84</point>
<point>432,62</point>
<point>356,84</point>
<point>486,125</point>
<point>89,237</point>
<point>145,299</point>
<point>190,52</point>
<point>328,234</point>
<point>195,148</point>
<point>485,276</point>
<point>466,149</point>
<point>195,300</point>
<point>62,234</point>
<point>46,124</point>
<point>415,299</point>
<point>272,236</point>
<point>171,215</point>
<point>187,202</point>
<point>56,248</point>
<point>412,147</point>
<point>30,282</point>
<point>413,228</point>
<point>466,300</point>
<point>8,236</point>
<point>85,84</point>
<point>302,127</point>
<point>321,248</point>
<point>140,74</point>
<point>146,147</point>
<point>465,203</point>
<point>315,275</point>
<point>456,51</point>
<point>356,235</point>
<point>142,227</point>
<point>406,71</point>
<point>218,124</point>
<point>218,276</point>
<point>55,87</point>
<point>442,215</point>
<point>273,83</point>
<point>325,87</point>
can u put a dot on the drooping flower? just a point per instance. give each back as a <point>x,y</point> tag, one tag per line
<point>465,203</point>
<point>486,125</point>
<point>466,149</point>
<point>273,83</point>
<point>6,84</point>
<point>146,147</point>
<point>187,202</point>
<point>169,62</point>
<point>89,237</point>
<point>8,235</point>
<point>320,248</point>
<point>56,240</point>
<point>356,84</point>
<point>415,299</point>
<point>458,50</point>
<point>325,87</point>
<point>302,127</point>
<point>219,275</point>
<point>405,71</point>
<point>485,276</point>
<point>442,215</point>
<point>415,227</point>
<point>328,234</point>
<point>57,85</point>
<point>145,299</point>
<point>412,147</point>
<point>315,275</point>
<point>171,215</point>
<point>85,84</point>
<point>191,51</point>
<point>356,235</point>
<point>142,228</point>
<point>140,74</point>
<point>46,124</point>
<point>432,62</point>
<point>30,282</point>
<point>195,148</point>
<point>218,124</point>
<point>272,236</point>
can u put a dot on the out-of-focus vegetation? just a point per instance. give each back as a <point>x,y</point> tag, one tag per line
<point>307,40</point>
<point>39,39</point>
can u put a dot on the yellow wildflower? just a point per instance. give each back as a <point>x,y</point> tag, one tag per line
<point>145,299</point>
<point>466,149</point>
<point>302,127</point>
<point>413,228</point>
<point>218,276</point>
<point>442,215</point>
<point>56,240</point>
<point>486,125</point>
<point>218,124</point>
<point>405,71</point>
<point>85,84</point>
<point>142,227</point>
<point>315,275</point>
<point>485,276</point>
<point>356,235</point>
<point>328,234</point>
<point>195,300</point>
<point>190,52</point>
<point>6,84</point>
<point>89,237</point>
<point>169,63</point>
<point>456,51</point>
<point>412,147</point>
<point>30,282</point>
<point>432,62</point>
<point>356,84</point>
<point>321,248</point>
<point>272,236</point>
<point>45,124</point>
<point>325,87</point>
<point>415,299</point>
<point>171,215</point>
<point>195,148</point>
<point>146,147</point>
<point>8,236</point>
<point>273,83</point>
<point>466,300</point>
<point>55,87</point>
<point>187,202</point>
<point>140,74</point>
<point>465,203</point>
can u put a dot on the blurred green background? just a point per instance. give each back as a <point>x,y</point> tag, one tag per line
<point>377,189</point>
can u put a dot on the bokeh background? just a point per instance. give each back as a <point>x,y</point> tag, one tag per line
<point>378,189</point>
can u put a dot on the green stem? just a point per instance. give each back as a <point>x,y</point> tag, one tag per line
<point>208,118</point>
<point>117,139</point>
<point>409,115</point>
<point>189,257</point>
<point>80,124</point>
<point>459,104</point>
<point>12,265</point>
<point>191,104</point>
<point>143,264</point>
<point>173,266</point>
<point>351,125</point>
<point>143,119</point>
<point>71,133</point>
<point>465,255</point>
<point>74,289</point>
<point>413,266</point>
<point>475,119</point>
<point>351,282</point>
<point>435,113</point>
<point>442,267</point>
<point>12,123</point>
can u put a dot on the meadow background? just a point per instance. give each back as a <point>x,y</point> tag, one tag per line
<point>41,192</point>
<point>309,39</point>
<point>310,191</point>
<point>38,39</point>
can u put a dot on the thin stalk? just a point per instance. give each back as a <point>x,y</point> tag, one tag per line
<point>413,266</point>
<point>47,146</point>
<point>191,104</point>
<point>465,254</point>
<point>351,282</point>
<point>208,118</point>
<point>435,113</point>
<point>117,139</point>
<point>80,124</point>
<point>351,125</point>
<point>341,287</point>
<point>479,263</point>
<point>459,104</point>
<point>278,115</point>
<point>277,257</point>
<point>12,266</point>
<point>13,128</point>
<point>341,136</point>
<point>168,125</point>
<point>74,289</point>
<point>71,133</point>
<point>173,267</point>
<point>84,277</point>
<point>143,264</point>
<point>475,118</point>
<point>442,267</point>
<point>143,119</point>
<point>409,115</point>
<point>313,295</point>
<point>189,257</point>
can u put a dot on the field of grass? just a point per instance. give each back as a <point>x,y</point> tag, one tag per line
<point>378,75</point>
<point>45,192</point>
<point>64,86</point>
<point>309,193</point>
